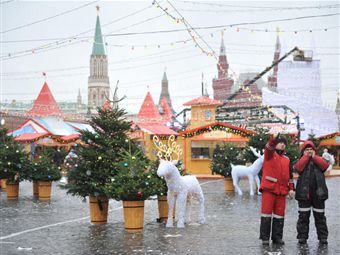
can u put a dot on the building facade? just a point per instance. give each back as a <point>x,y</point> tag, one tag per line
<point>222,85</point>
<point>98,81</point>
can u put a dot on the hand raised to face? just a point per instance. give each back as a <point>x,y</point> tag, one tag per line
<point>309,152</point>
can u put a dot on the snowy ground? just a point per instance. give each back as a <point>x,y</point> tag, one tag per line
<point>232,226</point>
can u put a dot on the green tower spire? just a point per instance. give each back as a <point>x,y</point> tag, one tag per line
<point>98,45</point>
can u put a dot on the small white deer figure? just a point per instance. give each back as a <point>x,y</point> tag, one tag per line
<point>251,172</point>
<point>180,190</point>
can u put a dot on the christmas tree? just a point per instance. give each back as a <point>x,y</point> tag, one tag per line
<point>44,169</point>
<point>98,154</point>
<point>4,140</point>
<point>223,156</point>
<point>258,142</point>
<point>13,159</point>
<point>134,180</point>
<point>292,151</point>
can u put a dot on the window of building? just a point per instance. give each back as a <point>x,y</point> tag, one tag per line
<point>208,115</point>
<point>200,153</point>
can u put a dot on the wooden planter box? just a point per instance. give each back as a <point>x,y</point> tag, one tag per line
<point>44,190</point>
<point>163,209</point>
<point>35,188</point>
<point>228,184</point>
<point>12,190</point>
<point>99,209</point>
<point>133,216</point>
<point>3,184</point>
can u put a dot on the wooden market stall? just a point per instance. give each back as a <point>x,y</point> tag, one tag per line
<point>332,142</point>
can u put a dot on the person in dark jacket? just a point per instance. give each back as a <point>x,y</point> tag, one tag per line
<point>276,183</point>
<point>57,157</point>
<point>311,192</point>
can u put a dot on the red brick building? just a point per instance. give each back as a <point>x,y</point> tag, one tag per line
<point>222,85</point>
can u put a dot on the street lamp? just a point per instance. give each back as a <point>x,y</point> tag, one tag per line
<point>2,122</point>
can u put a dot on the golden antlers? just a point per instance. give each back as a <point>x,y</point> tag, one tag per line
<point>165,151</point>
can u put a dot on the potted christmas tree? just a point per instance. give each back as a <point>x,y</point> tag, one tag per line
<point>97,156</point>
<point>4,139</point>
<point>224,155</point>
<point>43,171</point>
<point>133,184</point>
<point>14,162</point>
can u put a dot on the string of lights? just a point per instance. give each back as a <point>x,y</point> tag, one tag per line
<point>48,18</point>
<point>261,7</point>
<point>188,40</point>
<point>62,42</point>
<point>190,29</point>
<point>66,41</point>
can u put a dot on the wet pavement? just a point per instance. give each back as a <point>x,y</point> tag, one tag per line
<point>232,226</point>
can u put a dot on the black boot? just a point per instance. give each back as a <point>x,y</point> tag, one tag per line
<point>321,225</point>
<point>265,229</point>
<point>277,231</point>
<point>302,225</point>
<point>302,241</point>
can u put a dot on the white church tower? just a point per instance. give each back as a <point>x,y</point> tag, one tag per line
<point>98,82</point>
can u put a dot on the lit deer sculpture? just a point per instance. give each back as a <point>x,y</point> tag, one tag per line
<point>248,171</point>
<point>180,188</point>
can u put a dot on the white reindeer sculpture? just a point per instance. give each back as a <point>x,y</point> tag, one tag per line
<point>180,188</point>
<point>251,172</point>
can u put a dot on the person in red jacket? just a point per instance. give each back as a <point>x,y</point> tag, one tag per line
<point>275,185</point>
<point>311,193</point>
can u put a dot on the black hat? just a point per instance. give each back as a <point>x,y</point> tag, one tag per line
<point>281,140</point>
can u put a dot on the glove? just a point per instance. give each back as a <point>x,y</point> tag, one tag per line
<point>291,194</point>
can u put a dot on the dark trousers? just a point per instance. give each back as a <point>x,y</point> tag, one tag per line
<point>318,208</point>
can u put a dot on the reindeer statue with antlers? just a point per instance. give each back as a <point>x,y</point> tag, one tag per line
<point>251,172</point>
<point>180,188</point>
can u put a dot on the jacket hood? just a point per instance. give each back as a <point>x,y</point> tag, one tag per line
<point>308,144</point>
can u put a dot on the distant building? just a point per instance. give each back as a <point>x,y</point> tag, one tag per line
<point>246,96</point>
<point>222,85</point>
<point>337,110</point>
<point>165,94</point>
<point>79,101</point>
<point>45,105</point>
<point>98,82</point>
<point>272,78</point>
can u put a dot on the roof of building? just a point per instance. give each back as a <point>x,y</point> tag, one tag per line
<point>98,45</point>
<point>165,78</point>
<point>329,135</point>
<point>166,110</point>
<point>211,126</point>
<point>29,137</point>
<point>148,111</point>
<point>156,129</point>
<point>203,100</point>
<point>34,128</point>
<point>45,104</point>
<point>244,77</point>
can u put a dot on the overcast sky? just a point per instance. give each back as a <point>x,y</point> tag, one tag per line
<point>56,37</point>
